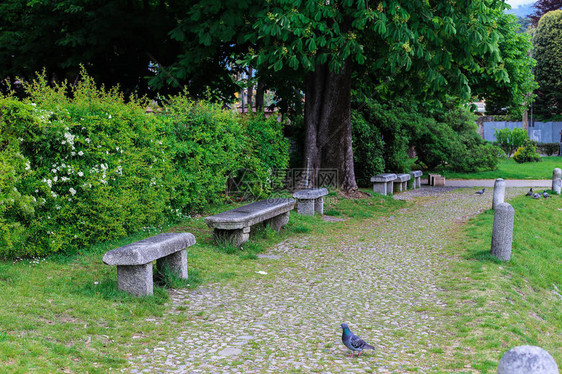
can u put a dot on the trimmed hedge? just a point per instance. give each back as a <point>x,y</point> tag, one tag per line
<point>83,165</point>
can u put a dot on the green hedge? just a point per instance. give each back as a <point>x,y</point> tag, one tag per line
<point>83,165</point>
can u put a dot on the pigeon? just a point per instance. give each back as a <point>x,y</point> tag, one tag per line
<point>530,193</point>
<point>545,195</point>
<point>481,191</point>
<point>536,195</point>
<point>352,341</point>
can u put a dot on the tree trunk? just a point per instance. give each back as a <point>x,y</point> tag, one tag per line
<point>250,90</point>
<point>259,96</point>
<point>328,126</point>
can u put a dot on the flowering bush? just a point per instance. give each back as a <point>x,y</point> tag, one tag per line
<point>93,167</point>
<point>527,153</point>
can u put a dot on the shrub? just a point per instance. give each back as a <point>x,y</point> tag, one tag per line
<point>527,153</point>
<point>82,165</point>
<point>549,149</point>
<point>509,140</point>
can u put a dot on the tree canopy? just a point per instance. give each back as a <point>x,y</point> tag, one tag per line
<point>548,53</point>
<point>116,40</point>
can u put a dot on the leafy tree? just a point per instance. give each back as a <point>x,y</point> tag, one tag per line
<point>319,48</point>
<point>509,140</point>
<point>116,40</point>
<point>548,53</point>
<point>543,7</point>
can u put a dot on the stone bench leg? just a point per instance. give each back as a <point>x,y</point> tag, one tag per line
<point>281,220</point>
<point>236,237</point>
<point>417,182</point>
<point>319,205</point>
<point>379,187</point>
<point>176,262</point>
<point>305,207</point>
<point>390,188</point>
<point>135,279</point>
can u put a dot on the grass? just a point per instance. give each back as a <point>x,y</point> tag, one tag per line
<point>499,305</point>
<point>65,313</point>
<point>509,169</point>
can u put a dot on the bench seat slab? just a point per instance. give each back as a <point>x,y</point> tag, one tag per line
<point>248,215</point>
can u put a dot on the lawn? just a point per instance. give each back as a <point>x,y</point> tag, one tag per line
<point>505,304</point>
<point>509,169</point>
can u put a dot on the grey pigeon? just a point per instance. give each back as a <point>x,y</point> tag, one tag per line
<point>536,195</point>
<point>352,341</point>
<point>545,195</point>
<point>530,193</point>
<point>481,191</point>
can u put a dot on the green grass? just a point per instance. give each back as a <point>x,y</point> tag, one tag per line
<point>65,313</point>
<point>509,169</point>
<point>500,305</point>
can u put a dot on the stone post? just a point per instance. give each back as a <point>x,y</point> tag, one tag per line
<point>502,233</point>
<point>499,193</point>
<point>556,181</point>
<point>527,359</point>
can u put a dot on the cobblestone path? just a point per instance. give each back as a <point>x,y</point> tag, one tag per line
<point>380,276</point>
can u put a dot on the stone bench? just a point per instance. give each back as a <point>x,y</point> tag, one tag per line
<point>416,177</point>
<point>401,182</point>
<point>310,201</point>
<point>234,225</point>
<point>134,261</point>
<point>383,183</point>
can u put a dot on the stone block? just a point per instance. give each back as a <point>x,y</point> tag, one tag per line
<point>502,232</point>
<point>438,181</point>
<point>176,262</point>
<point>527,359</point>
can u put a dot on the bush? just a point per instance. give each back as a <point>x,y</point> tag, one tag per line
<point>549,149</point>
<point>527,153</point>
<point>509,140</point>
<point>90,166</point>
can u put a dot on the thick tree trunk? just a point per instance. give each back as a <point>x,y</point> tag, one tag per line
<point>328,125</point>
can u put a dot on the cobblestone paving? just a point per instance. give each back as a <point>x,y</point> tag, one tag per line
<point>380,276</point>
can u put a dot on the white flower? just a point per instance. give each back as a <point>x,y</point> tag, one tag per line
<point>87,140</point>
<point>80,153</point>
<point>109,116</point>
<point>64,179</point>
<point>72,191</point>
<point>261,272</point>
<point>80,174</point>
<point>73,153</point>
<point>27,166</point>
<point>55,179</point>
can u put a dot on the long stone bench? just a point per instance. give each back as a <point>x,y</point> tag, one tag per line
<point>401,182</point>
<point>134,261</point>
<point>234,225</point>
<point>310,201</point>
<point>416,177</point>
<point>383,183</point>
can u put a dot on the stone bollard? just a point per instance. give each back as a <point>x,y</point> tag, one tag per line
<point>502,233</point>
<point>556,180</point>
<point>527,359</point>
<point>499,193</point>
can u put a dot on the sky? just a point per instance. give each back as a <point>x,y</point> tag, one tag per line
<point>516,3</point>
